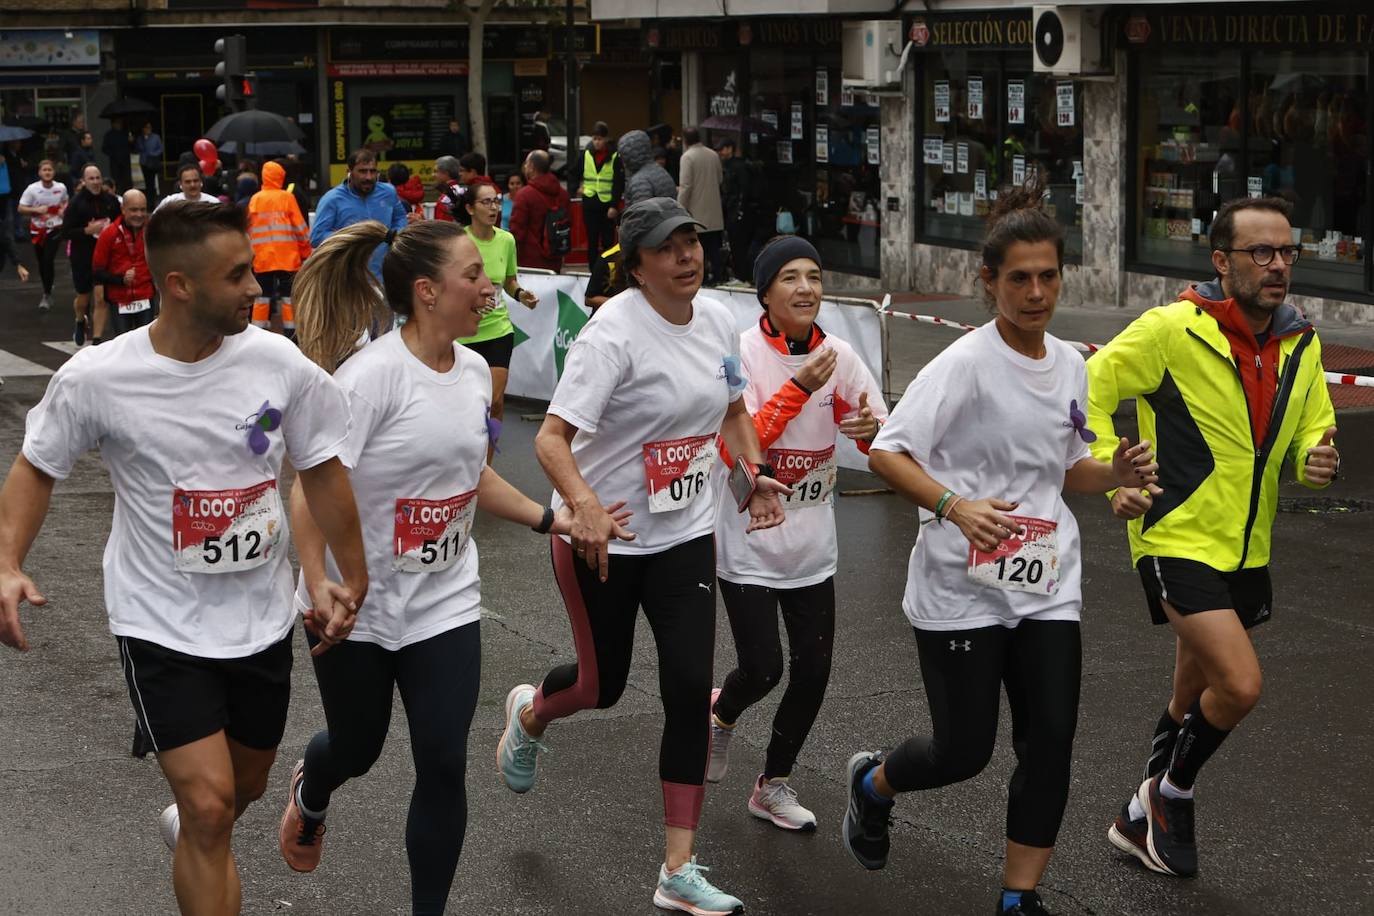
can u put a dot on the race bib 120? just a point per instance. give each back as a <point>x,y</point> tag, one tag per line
<point>677,470</point>
<point>810,474</point>
<point>1025,562</point>
<point>432,533</point>
<point>224,531</point>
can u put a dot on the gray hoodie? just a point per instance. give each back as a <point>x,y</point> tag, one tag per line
<point>644,177</point>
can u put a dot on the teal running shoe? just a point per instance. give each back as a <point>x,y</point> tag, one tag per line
<point>517,753</point>
<point>688,891</point>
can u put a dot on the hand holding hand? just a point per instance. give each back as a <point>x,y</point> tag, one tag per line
<point>591,530</point>
<point>1135,466</point>
<point>1133,502</point>
<point>334,610</point>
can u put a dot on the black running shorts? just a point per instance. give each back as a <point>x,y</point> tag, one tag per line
<point>496,352</point>
<point>1191,587</point>
<point>180,698</point>
<point>82,278</point>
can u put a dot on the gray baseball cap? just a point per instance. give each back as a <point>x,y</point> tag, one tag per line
<point>648,223</point>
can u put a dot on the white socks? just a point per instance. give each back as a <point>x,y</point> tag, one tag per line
<point>1169,790</point>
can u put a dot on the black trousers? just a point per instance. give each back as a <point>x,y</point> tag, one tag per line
<point>438,679</point>
<point>47,257</point>
<point>1039,663</point>
<point>600,227</point>
<point>809,615</point>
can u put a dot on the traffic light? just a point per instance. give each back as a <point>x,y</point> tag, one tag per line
<point>232,70</point>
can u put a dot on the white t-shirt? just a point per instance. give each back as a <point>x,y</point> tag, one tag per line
<point>988,422</point>
<point>416,449</point>
<point>177,439</point>
<point>35,195</point>
<point>647,398</point>
<point>801,552</point>
<point>200,198</point>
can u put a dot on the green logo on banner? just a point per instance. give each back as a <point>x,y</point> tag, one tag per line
<point>520,336</point>
<point>571,319</point>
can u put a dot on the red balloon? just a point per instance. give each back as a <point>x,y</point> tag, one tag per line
<point>207,166</point>
<point>204,149</point>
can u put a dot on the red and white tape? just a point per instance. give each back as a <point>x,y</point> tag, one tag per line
<point>1333,378</point>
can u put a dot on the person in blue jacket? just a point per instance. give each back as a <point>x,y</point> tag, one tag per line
<point>359,198</point>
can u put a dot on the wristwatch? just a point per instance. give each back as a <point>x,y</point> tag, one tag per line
<point>765,470</point>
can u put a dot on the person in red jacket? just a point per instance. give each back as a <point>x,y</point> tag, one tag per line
<point>281,242</point>
<point>409,188</point>
<point>121,265</point>
<point>540,218</point>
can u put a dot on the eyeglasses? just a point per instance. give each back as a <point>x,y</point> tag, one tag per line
<point>490,201</point>
<point>1263,255</point>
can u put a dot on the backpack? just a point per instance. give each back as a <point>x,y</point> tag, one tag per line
<point>557,232</point>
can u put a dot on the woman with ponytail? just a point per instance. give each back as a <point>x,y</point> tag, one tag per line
<point>986,439</point>
<point>416,448</point>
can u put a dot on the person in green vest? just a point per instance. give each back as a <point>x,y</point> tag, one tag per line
<point>602,177</point>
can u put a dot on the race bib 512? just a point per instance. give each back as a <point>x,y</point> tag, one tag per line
<point>1025,562</point>
<point>223,531</point>
<point>430,534</point>
<point>677,470</point>
<point>810,474</point>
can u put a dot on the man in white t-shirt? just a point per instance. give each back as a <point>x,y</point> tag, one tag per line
<point>189,182</point>
<point>197,581</point>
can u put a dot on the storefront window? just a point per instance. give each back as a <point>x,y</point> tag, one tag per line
<point>1297,131</point>
<point>989,122</point>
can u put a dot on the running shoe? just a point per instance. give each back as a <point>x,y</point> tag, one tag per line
<point>301,838</point>
<point>775,800</point>
<point>44,304</point>
<point>517,754</point>
<point>1132,837</point>
<point>688,891</point>
<point>1171,841</point>
<point>865,820</point>
<point>79,332</point>
<point>170,823</point>
<point>1030,905</point>
<point>720,744</point>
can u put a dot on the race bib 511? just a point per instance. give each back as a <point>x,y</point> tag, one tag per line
<point>1025,562</point>
<point>223,531</point>
<point>677,470</point>
<point>432,533</point>
<point>810,474</point>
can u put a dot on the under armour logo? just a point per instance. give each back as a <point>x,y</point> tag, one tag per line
<point>1263,612</point>
<point>703,585</point>
<point>966,645</point>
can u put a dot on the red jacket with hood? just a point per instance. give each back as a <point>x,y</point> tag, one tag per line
<point>118,249</point>
<point>532,204</point>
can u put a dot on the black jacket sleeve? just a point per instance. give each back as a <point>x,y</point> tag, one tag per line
<point>618,182</point>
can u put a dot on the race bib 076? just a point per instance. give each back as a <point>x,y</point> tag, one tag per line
<point>1025,562</point>
<point>677,470</point>
<point>432,533</point>
<point>225,531</point>
<point>810,474</point>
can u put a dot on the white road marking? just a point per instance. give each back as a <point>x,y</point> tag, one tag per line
<point>15,366</point>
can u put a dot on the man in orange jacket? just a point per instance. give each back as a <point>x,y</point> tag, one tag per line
<point>281,241</point>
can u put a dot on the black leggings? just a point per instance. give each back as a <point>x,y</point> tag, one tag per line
<point>674,588</point>
<point>438,679</point>
<point>47,255</point>
<point>809,615</point>
<point>1040,663</point>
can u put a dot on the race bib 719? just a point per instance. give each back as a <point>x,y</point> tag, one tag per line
<point>810,474</point>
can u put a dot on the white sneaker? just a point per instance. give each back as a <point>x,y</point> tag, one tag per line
<point>775,800</point>
<point>170,823</point>
<point>720,744</point>
<point>44,304</point>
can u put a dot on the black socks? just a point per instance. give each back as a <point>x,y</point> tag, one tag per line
<point>1198,740</point>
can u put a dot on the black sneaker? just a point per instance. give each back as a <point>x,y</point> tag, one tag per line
<point>1132,837</point>
<point>1030,905</point>
<point>1170,820</point>
<point>865,821</point>
<point>79,333</point>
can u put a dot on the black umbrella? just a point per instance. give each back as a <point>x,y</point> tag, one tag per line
<point>250,129</point>
<point>122,108</point>
<point>260,148</point>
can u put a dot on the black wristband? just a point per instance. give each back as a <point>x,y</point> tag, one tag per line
<point>765,470</point>
<point>545,523</point>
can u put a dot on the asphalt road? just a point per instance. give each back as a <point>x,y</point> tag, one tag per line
<point>1284,818</point>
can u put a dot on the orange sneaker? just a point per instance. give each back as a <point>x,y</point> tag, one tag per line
<point>301,839</point>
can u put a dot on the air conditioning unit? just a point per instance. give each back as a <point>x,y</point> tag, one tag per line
<point>872,53</point>
<point>1068,40</point>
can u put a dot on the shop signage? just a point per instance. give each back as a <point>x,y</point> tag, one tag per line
<point>1295,25</point>
<point>448,45</point>
<point>947,158</point>
<point>942,101</point>
<point>1018,170</point>
<point>1016,102</point>
<point>1008,30</point>
<point>980,185</point>
<point>975,98</point>
<point>822,143</point>
<point>724,106</point>
<point>669,35</point>
<point>1064,107</point>
<point>822,87</point>
<point>873,139</point>
<point>932,151</point>
<point>34,49</point>
<point>961,158</point>
<point>784,152</point>
<point>405,128</point>
<point>400,68</point>
<point>798,122</point>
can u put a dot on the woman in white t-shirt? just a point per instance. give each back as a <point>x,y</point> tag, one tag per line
<point>44,202</point>
<point>806,389</point>
<point>649,385</point>
<point>416,449</point>
<point>985,441</point>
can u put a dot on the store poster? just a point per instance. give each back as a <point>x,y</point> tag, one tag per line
<point>784,152</point>
<point>961,159</point>
<point>1018,171</point>
<point>769,117</point>
<point>822,87</point>
<point>798,124</point>
<point>947,157</point>
<point>942,101</point>
<point>822,143</point>
<point>975,98</point>
<point>965,203</point>
<point>1078,182</point>
<point>847,97</point>
<point>951,203</point>
<point>1254,186</point>
<point>1064,107</point>
<point>405,128</point>
<point>980,185</point>
<point>1016,101</point>
<point>933,151</point>
<point>872,140</point>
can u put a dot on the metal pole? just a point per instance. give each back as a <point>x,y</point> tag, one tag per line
<point>571,104</point>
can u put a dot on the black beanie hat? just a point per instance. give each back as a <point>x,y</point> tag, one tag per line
<point>775,254</point>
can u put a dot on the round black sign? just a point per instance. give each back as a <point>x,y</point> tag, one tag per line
<point>1049,38</point>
